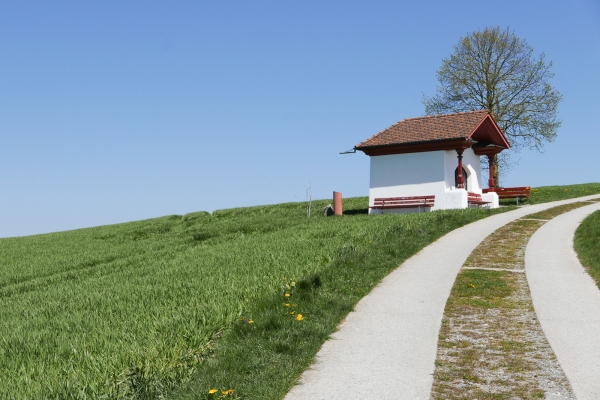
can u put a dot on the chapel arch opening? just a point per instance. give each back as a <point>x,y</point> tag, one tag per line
<point>465,178</point>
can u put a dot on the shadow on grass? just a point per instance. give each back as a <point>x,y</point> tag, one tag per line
<point>363,211</point>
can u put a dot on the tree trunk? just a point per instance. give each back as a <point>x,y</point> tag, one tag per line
<point>496,173</point>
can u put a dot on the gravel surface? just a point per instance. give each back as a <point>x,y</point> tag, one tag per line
<point>498,352</point>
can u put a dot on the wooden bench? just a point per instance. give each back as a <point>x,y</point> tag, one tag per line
<point>509,193</point>
<point>383,203</point>
<point>475,198</point>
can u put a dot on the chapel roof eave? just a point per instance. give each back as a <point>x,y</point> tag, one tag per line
<point>417,147</point>
<point>489,131</point>
<point>438,132</point>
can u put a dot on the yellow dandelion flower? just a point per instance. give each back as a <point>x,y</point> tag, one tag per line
<point>251,321</point>
<point>226,392</point>
<point>287,304</point>
<point>299,317</point>
<point>287,295</point>
<point>212,391</point>
<point>293,312</point>
<point>293,283</point>
<point>470,284</point>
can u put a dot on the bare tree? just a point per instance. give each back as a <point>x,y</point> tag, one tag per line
<point>495,70</point>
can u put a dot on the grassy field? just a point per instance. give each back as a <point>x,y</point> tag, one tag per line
<point>194,302</point>
<point>587,245</point>
<point>544,194</point>
<point>129,310</point>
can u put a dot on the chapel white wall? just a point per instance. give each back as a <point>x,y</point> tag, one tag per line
<point>411,174</point>
<point>425,173</point>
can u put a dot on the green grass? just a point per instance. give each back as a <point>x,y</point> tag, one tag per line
<point>152,309</point>
<point>263,359</point>
<point>134,310</point>
<point>544,194</point>
<point>480,288</point>
<point>587,245</point>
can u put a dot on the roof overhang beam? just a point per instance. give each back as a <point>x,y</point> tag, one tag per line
<point>417,147</point>
<point>487,149</point>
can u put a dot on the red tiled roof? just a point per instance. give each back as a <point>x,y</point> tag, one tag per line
<point>427,129</point>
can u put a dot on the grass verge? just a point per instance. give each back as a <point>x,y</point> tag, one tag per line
<point>545,194</point>
<point>587,245</point>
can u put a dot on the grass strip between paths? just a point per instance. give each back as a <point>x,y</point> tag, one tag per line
<point>587,245</point>
<point>491,344</point>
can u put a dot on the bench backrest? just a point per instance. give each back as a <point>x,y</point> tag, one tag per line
<point>523,191</point>
<point>416,200</point>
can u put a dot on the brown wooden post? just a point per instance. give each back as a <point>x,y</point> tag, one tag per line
<point>460,179</point>
<point>337,203</point>
<point>491,182</point>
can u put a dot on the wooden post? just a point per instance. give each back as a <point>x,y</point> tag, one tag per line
<point>491,182</point>
<point>460,179</point>
<point>337,203</point>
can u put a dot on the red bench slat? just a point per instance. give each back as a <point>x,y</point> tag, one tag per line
<point>507,193</point>
<point>403,202</point>
<point>475,198</point>
<point>405,198</point>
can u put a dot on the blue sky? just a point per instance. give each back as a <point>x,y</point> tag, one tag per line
<point>116,111</point>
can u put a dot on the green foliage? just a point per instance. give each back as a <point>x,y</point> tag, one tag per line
<point>587,245</point>
<point>495,70</point>
<point>544,194</point>
<point>134,310</point>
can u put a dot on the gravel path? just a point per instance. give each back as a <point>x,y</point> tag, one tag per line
<point>566,300</point>
<point>493,347</point>
<point>387,347</point>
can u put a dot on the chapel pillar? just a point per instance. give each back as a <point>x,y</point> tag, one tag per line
<point>460,179</point>
<point>491,183</point>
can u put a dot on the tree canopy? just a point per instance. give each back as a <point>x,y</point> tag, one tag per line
<point>496,71</point>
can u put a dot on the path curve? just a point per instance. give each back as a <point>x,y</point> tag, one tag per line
<point>387,347</point>
<point>566,300</point>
